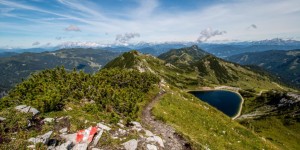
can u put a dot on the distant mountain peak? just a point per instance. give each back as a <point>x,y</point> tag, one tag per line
<point>183,56</point>
<point>276,41</point>
<point>194,47</point>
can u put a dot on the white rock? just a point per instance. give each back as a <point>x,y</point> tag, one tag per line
<point>156,139</point>
<point>31,146</point>
<point>2,119</point>
<point>137,126</point>
<point>80,146</point>
<point>120,125</point>
<point>65,146</point>
<point>41,138</point>
<point>61,118</point>
<point>63,130</point>
<point>27,109</point>
<point>122,132</point>
<point>114,137</point>
<point>95,149</point>
<point>69,137</point>
<point>151,147</point>
<point>97,137</point>
<point>20,107</point>
<point>131,144</point>
<point>104,127</point>
<point>48,120</point>
<point>149,133</point>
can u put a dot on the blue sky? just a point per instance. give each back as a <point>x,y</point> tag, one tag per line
<point>40,23</point>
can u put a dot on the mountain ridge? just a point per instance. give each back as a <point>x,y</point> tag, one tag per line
<point>284,64</point>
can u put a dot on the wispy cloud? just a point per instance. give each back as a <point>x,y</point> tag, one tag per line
<point>209,33</point>
<point>153,19</point>
<point>58,38</point>
<point>36,43</point>
<point>48,44</point>
<point>252,26</point>
<point>72,28</point>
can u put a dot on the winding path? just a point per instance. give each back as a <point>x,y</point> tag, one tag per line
<point>172,140</point>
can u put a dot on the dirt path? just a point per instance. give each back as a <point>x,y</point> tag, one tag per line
<point>260,92</point>
<point>172,141</point>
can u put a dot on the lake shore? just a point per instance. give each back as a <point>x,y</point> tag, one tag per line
<point>241,107</point>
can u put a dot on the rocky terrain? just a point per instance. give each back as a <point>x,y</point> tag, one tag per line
<point>129,137</point>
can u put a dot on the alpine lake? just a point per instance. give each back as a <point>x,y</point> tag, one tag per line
<point>228,102</point>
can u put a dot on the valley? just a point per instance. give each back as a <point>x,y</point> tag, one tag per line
<point>149,75</point>
<point>163,104</point>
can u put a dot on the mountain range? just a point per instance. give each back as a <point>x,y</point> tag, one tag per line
<point>281,63</point>
<point>265,101</point>
<point>156,48</point>
<point>127,87</point>
<point>18,67</point>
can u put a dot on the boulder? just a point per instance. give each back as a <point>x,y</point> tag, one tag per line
<point>151,147</point>
<point>41,138</point>
<point>86,135</point>
<point>131,144</point>
<point>27,109</point>
<point>156,139</point>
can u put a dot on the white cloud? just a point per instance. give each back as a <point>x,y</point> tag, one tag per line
<point>252,26</point>
<point>6,10</point>
<point>125,38</point>
<point>72,28</point>
<point>36,43</point>
<point>209,33</point>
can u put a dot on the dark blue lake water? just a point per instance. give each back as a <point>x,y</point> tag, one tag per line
<point>225,101</point>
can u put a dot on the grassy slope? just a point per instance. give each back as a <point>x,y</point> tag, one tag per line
<point>281,129</point>
<point>272,128</point>
<point>197,121</point>
<point>219,72</point>
<point>205,126</point>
